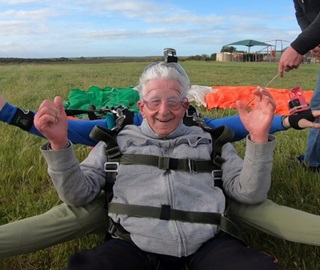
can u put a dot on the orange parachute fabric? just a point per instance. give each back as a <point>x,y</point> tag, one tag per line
<point>226,97</point>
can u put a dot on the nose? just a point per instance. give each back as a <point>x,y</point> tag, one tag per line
<point>164,108</point>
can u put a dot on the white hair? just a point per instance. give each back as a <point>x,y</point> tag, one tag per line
<point>164,70</point>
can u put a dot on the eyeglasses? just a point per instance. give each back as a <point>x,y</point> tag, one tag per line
<point>174,103</point>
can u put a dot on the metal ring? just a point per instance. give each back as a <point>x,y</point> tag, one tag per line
<point>312,125</point>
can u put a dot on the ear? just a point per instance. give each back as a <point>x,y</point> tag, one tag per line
<point>185,103</point>
<point>141,108</point>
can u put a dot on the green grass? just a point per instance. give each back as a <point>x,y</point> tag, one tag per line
<point>26,189</point>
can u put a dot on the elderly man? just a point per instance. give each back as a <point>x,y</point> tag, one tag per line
<point>172,240</point>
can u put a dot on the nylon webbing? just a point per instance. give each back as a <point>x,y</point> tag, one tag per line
<point>157,212</point>
<point>220,220</point>
<point>100,133</point>
<point>166,163</point>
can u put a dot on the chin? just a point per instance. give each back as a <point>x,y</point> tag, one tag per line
<point>163,133</point>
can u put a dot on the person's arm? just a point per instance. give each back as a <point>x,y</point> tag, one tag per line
<point>76,185</point>
<point>301,18</point>
<point>235,124</point>
<point>310,35</point>
<point>249,181</point>
<point>78,130</point>
<point>308,40</point>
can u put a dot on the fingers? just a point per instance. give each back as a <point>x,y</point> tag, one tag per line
<point>316,113</point>
<point>286,68</point>
<point>49,112</point>
<point>264,97</point>
<point>49,109</point>
<point>280,70</point>
<point>58,101</point>
<point>304,123</point>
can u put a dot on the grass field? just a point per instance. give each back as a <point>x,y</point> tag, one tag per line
<point>26,189</point>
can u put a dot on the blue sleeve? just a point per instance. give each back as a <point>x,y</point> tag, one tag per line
<point>235,124</point>
<point>78,130</point>
<point>7,113</point>
<point>137,119</point>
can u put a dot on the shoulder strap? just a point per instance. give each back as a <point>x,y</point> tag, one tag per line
<point>220,137</point>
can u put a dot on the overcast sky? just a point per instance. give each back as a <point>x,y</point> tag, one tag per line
<point>65,28</point>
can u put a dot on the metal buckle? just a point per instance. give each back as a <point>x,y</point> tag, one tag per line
<point>119,122</point>
<point>191,166</point>
<point>192,112</point>
<point>112,228</point>
<point>217,174</point>
<point>111,163</point>
<point>120,117</point>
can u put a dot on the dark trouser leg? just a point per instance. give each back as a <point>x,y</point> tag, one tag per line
<point>228,253</point>
<point>114,254</point>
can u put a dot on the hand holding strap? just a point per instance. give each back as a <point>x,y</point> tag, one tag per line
<point>295,118</point>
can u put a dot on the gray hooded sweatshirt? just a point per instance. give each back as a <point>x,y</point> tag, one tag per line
<point>247,181</point>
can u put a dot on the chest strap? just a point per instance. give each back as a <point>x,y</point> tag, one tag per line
<point>167,163</point>
<point>165,212</point>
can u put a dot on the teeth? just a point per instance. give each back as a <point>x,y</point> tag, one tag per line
<point>163,120</point>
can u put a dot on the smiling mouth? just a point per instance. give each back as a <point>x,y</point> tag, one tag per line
<point>164,121</point>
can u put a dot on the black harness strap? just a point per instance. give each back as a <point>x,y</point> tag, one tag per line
<point>219,136</point>
<point>165,212</point>
<point>167,163</point>
<point>94,114</point>
<point>106,135</point>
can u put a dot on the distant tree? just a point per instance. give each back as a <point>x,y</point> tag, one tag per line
<point>229,49</point>
<point>204,57</point>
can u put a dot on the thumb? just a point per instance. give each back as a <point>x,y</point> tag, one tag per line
<point>240,107</point>
<point>59,103</point>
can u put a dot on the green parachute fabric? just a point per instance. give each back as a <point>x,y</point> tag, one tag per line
<point>102,97</point>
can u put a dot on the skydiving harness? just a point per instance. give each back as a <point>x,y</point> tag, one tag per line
<point>220,136</point>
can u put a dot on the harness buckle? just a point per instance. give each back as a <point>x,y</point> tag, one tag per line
<point>217,174</point>
<point>111,228</point>
<point>164,163</point>
<point>111,167</point>
<point>119,122</point>
<point>191,165</point>
<point>192,111</point>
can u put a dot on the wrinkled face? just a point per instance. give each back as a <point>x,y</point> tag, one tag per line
<point>162,106</point>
